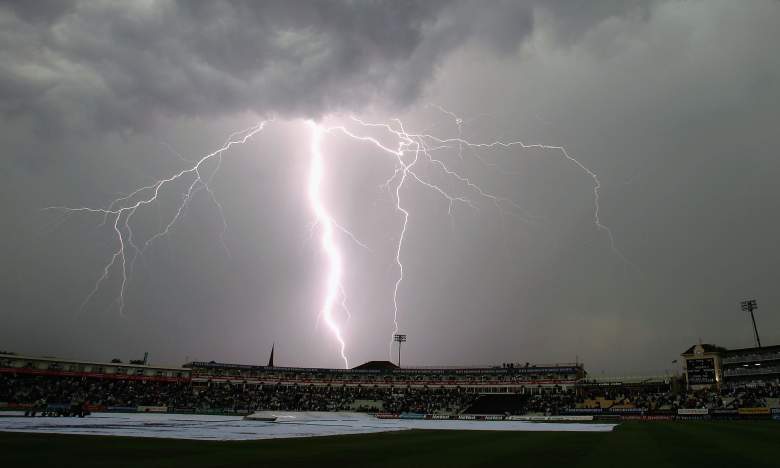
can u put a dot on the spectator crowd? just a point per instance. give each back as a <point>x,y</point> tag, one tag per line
<point>24,389</point>
<point>207,396</point>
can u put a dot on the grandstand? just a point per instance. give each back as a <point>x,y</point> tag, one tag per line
<point>380,387</point>
<point>211,387</point>
<point>708,366</point>
<point>30,365</point>
<point>752,364</point>
<point>382,374</point>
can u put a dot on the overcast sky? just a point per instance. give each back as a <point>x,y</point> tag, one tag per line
<point>674,105</point>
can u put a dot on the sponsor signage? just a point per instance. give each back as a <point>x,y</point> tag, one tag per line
<point>58,406</point>
<point>775,411</point>
<point>184,410</point>
<point>584,410</point>
<point>94,375</point>
<point>121,409</point>
<point>692,411</point>
<point>645,417</point>
<point>626,410</point>
<point>700,371</point>
<point>152,409</point>
<point>550,418</point>
<point>608,417</point>
<point>474,370</point>
<point>544,370</point>
<point>19,406</point>
<point>753,411</point>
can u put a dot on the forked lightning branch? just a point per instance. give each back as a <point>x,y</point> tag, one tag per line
<point>409,152</point>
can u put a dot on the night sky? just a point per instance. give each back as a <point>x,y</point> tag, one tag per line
<point>674,105</point>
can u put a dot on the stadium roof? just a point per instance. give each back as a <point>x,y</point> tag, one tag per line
<point>15,356</point>
<point>763,349</point>
<point>708,348</point>
<point>377,365</point>
<point>711,348</point>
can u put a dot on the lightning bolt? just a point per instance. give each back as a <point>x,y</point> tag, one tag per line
<point>333,286</point>
<point>409,151</point>
<point>121,210</point>
<point>412,146</point>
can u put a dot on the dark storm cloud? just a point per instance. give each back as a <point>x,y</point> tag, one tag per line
<point>39,10</point>
<point>118,65</point>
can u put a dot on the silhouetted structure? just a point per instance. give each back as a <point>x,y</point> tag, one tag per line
<point>749,306</point>
<point>399,339</point>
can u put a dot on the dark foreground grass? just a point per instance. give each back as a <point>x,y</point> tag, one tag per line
<point>631,445</point>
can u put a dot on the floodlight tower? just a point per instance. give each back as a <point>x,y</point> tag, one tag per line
<point>749,306</point>
<point>399,339</point>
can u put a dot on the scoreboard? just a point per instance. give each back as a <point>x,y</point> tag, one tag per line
<point>701,371</point>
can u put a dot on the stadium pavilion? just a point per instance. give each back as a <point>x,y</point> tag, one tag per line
<point>708,365</point>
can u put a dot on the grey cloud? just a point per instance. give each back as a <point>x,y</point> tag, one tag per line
<point>38,11</point>
<point>119,65</point>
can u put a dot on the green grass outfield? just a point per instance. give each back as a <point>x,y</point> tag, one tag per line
<point>632,445</point>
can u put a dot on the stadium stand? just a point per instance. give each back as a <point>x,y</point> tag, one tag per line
<point>46,384</point>
<point>708,365</point>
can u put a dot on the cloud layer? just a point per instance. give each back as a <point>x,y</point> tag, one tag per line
<point>119,65</point>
